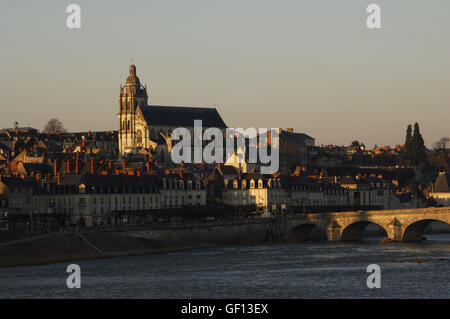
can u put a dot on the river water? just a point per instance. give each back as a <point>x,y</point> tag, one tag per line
<point>306,270</point>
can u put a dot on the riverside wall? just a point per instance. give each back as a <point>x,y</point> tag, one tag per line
<point>217,232</point>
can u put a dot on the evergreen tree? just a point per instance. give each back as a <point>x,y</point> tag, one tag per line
<point>408,141</point>
<point>414,145</point>
<point>418,146</point>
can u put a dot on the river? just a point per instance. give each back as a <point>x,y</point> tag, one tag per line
<point>304,270</point>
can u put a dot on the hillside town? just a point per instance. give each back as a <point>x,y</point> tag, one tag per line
<point>53,179</point>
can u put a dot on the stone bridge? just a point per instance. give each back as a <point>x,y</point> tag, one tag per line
<point>399,224</point>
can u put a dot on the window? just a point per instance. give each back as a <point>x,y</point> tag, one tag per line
<point>139,137</point>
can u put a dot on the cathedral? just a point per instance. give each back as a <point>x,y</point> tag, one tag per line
<point>143,126</point>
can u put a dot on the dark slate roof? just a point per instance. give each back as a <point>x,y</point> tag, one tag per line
<point>37,167</point>
<point>107,180</point>
<point>16,182</point>
<point>182,116</point>
<point>442,184</point>
<point>51,146</point>
<point>296,135</point>
<point>4,147</point>
<point>229,170</point>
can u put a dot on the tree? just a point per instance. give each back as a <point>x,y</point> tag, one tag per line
<point>418,146</point>
<point>53,126</point>
<point>414,145</point>
<point>355,143</point>
<point>408,141</point>
<point>442,143</point>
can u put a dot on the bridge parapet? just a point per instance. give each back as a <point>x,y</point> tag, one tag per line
<point>399,224</point>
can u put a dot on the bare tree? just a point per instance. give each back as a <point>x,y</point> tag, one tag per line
<point>442,143</point>
<point>53,126</point>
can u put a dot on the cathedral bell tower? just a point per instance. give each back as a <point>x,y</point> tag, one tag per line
<point>132,95</point>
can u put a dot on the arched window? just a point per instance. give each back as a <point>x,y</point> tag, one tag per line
<point>139,137</point>
<point>128,125</point>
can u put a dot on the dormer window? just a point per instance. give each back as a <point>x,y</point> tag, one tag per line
<point>252,183</point>
<point>260,183</point>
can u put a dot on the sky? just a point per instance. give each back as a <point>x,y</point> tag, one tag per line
<point>312,65</point>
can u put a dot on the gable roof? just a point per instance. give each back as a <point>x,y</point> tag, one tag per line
<point>442,184</point>
<point>181,116</point>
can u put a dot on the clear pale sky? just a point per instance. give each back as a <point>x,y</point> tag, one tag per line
<point>311,65</point>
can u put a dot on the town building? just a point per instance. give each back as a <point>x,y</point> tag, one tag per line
<point>440,191</point>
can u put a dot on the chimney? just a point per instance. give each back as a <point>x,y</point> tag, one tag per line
<point>55,167</point>
<point>77,164</point>
<point>92,166</point>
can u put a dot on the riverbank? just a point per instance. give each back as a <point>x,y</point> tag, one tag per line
<point>70,246</point>
<point>19,249</point>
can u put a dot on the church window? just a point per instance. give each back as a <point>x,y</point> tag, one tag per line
<point>139,137</point>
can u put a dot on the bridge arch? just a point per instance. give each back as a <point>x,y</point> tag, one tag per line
<point>415,230</point>
<point>307,231</point>
<point>354,231</point>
